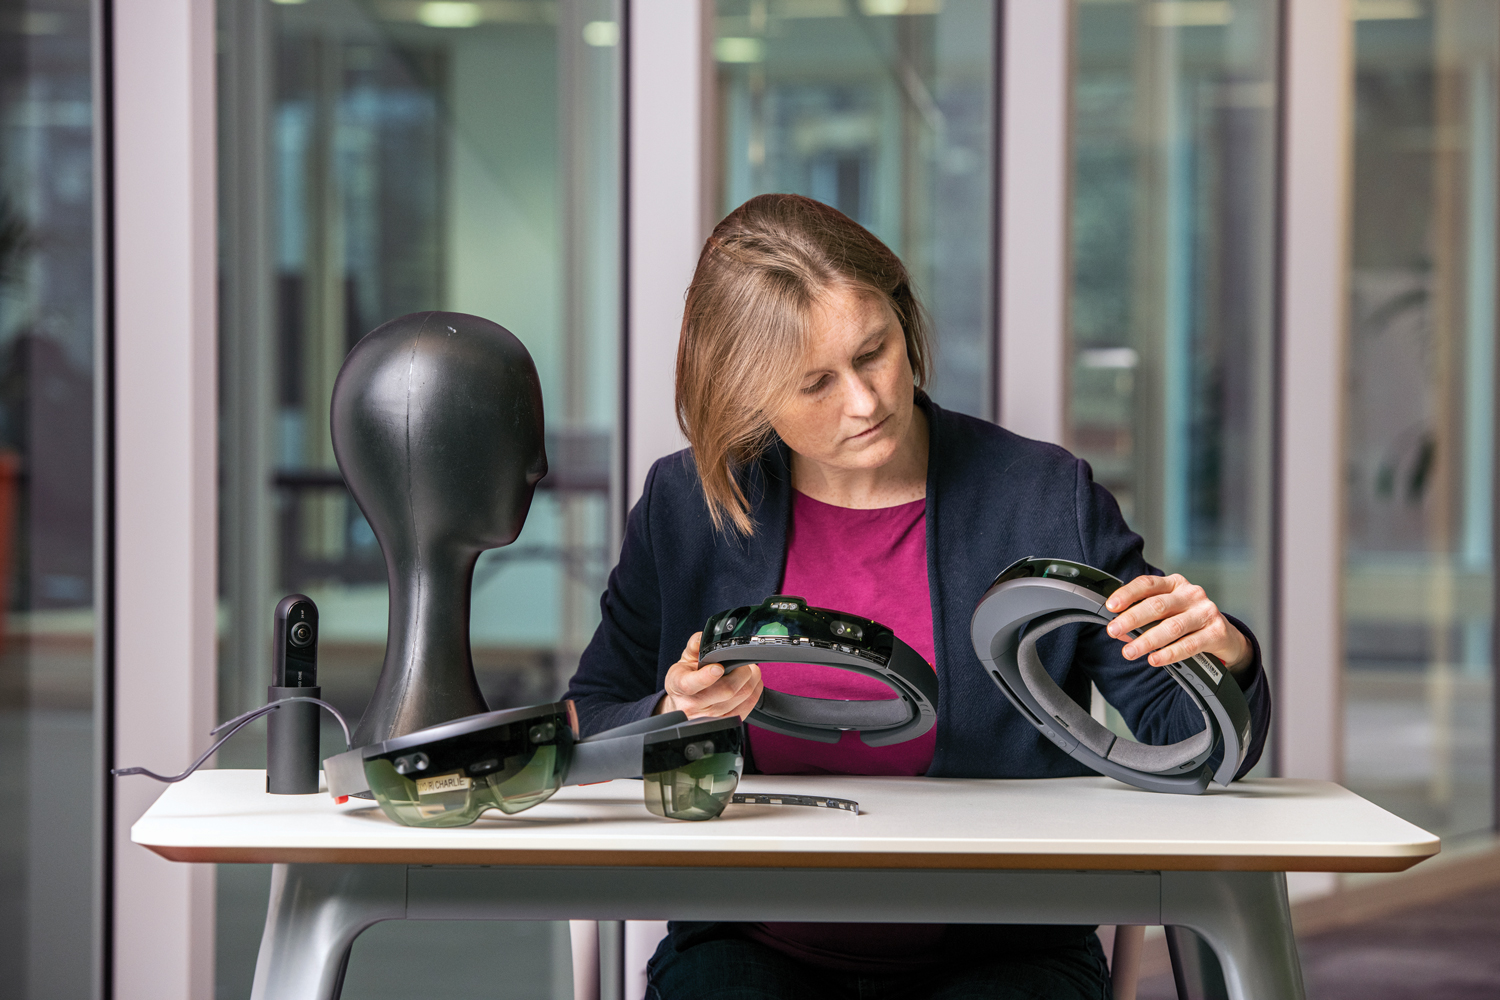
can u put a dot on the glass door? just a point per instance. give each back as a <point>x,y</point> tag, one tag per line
<point>883,110</point>
<point>377,159</point>
<point>1172,305</point>
<point>1420,417</point>
<point>49,855</point>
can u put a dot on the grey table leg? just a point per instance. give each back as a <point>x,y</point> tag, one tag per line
<point>1245,919</point>
<point>316,912</point>
<point>611,960</point>
<point>1195,967</point>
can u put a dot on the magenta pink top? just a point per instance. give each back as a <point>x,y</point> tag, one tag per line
<point>871,563</point>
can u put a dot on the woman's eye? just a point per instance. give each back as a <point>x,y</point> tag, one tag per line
<point>816,386</point>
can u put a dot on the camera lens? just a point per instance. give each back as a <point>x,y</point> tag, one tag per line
<point>412,763</point>
<point>301,634</point>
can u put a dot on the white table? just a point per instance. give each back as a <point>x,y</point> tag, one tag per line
<point>1061,851</point>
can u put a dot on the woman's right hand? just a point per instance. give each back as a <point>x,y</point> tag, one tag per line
<point>703,690</point>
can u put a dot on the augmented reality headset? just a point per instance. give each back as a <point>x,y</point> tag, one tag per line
<point>450,774</point>
<point>1032,598</point>
<point>785,629</point>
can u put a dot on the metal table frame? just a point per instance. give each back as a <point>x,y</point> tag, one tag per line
<point>317,910</point>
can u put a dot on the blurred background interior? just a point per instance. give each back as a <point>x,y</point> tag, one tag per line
<point>379,157</point>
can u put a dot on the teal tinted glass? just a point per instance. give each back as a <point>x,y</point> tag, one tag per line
<point>693,778</point>
<point>451,782</point>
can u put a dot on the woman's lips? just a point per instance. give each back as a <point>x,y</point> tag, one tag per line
<point>866,433</point>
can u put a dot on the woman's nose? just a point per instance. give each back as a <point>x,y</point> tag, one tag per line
<point>860,399</point>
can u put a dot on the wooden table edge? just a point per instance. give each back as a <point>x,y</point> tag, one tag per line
<point>784,859</point>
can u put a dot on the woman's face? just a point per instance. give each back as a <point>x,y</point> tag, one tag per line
<point>852,407</point>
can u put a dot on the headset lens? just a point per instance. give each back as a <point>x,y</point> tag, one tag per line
<point>450,782</point>
<point>694,777</point>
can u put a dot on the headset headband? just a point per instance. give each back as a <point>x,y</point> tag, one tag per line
<point>1046,594</point>
<point>784,629</point>
<point>624,752</point>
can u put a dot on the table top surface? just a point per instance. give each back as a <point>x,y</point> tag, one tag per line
<point>1266,824</point>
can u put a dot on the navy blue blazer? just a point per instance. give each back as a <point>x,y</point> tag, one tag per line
<point>992,497</point>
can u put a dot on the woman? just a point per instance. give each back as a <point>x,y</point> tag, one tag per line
<point>819,468</point>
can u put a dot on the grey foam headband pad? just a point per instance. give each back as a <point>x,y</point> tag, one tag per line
<point>1036,606</point>
<point>1141,756</point>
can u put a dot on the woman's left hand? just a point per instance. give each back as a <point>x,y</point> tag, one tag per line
<point>1187,622</point>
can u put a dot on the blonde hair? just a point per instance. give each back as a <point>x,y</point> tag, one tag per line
<point>744,329</point>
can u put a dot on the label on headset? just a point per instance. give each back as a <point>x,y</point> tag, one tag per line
<point>1209,667</point>
<point>444,783</point>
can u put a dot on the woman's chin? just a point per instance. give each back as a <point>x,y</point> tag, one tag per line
<point>871,454</point>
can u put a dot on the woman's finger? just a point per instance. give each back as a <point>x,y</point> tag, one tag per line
<point>723,707</point>
<point>1176,652</point>
<point>1180,598</point>
<point>712,707</point>
<point>697,686</point>
<point>1164,633</point>
<point>742,676</point>
<point>743,700</point>
<point>733,687</point>
<point>733,695</point>
<point>744,706</point>
<point>1194,615</point>
<point>1179,620</point>
<point>1198,620</point>
<point>1155,608</point>
<point>1141,587</point>
<point>749,681</point>
<point>693,679</point>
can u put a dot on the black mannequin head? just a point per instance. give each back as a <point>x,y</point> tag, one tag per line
<point>437,427</point>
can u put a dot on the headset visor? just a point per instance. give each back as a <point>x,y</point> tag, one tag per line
<point>449,775</point>
<point>693,774</point>
<point>782,617</point>
<point>1077,573</point>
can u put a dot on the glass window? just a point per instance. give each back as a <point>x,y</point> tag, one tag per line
<point>1418,576</point>
<point>380,158</point>
<point>883,110</point>
<point>1173,215</point>
<point>48,740</point>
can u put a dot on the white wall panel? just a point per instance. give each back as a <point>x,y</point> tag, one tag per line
<point>1314,265</point>
<point>1034,171</point>
<point>165,426</point>
<point>666,213</point>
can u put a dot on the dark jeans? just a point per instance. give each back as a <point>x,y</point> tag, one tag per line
<point>734,968</point>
